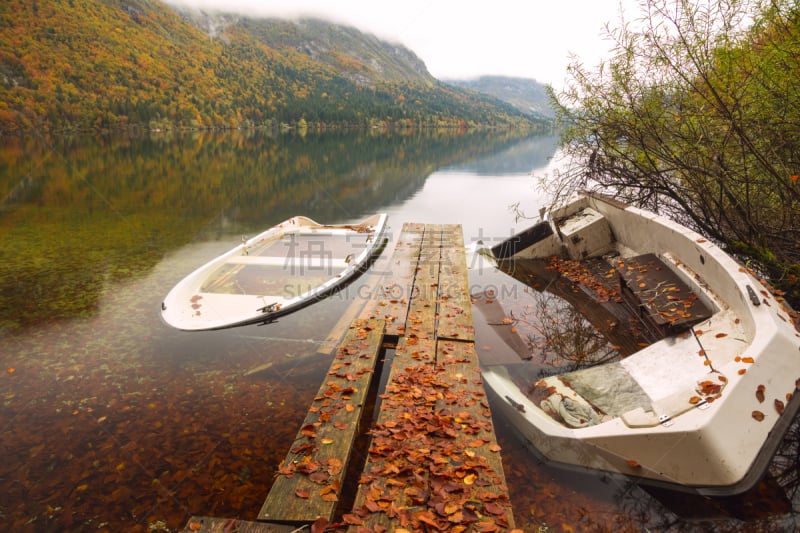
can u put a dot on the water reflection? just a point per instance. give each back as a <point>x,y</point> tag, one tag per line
<point>519,158</point>
<point>112,421</point>
<point>81,213</point>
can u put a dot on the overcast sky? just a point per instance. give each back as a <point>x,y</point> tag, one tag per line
<point>467,38</point>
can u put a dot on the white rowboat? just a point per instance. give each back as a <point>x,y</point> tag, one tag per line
<point>705,404</point>
<point>277,272</point>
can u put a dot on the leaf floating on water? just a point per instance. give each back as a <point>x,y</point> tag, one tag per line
<point>758,415</point>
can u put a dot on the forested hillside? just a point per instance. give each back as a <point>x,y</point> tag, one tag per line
<point>111,64</point>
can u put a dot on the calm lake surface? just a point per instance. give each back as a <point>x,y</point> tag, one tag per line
<point>112,421</point>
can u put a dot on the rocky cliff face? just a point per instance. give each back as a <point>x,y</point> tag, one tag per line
<point>358,56</point>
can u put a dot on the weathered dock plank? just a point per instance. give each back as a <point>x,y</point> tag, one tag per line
<point>397,282</point>
<point>309,481</point>
<point>422,309</point>
<point>455,308</point>
<point>485,495</point>
<point>403,445</point>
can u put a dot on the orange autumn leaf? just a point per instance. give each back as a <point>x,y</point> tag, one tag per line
<point>302,493</point>
<point>795,178</point>
<point>760,393</point>
<point>779,406</point>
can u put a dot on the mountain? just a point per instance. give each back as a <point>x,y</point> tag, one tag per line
<point>113,64</point>
<point>526,95</point>
<point>360,57</point>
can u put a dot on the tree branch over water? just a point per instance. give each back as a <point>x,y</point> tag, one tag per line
<point>696,115</point>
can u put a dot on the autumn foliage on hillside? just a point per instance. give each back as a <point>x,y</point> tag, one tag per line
<point>86,64</point>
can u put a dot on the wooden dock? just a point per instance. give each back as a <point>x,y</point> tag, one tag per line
<point>433,462</point>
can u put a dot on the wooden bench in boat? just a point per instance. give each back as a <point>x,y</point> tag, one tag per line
<point>310,262</point>
<point>659,298</point>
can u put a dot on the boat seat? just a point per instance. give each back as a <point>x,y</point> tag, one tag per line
<point>311,262</point>
<point>586,234</point>
<point>658,297</point>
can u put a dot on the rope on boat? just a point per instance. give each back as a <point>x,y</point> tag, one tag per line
<point>575,414</point>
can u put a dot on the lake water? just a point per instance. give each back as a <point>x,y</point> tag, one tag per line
<point>112,421</point>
